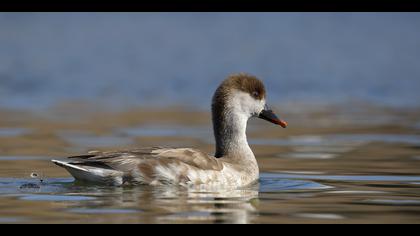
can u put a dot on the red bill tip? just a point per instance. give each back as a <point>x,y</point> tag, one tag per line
<point>282,123</point>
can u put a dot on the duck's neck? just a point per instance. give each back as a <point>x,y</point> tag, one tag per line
<point>230,134</point>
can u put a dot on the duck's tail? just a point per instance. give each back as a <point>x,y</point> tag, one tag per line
<point>85,173</point>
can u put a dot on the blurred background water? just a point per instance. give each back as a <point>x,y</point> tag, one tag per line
<point>144,59</point>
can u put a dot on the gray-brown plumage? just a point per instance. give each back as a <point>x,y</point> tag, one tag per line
<point>238,98</point>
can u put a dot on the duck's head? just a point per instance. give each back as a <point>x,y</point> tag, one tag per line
<point>245,96</point>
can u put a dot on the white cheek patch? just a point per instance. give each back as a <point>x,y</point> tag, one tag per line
<point>244,103</point>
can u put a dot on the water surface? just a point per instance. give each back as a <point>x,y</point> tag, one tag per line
<point>149,59</point>
<point>347,172</point>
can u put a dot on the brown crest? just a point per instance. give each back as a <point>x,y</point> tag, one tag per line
<point>246,83</point>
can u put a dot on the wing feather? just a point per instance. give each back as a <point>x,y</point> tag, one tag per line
<point>127,159</point>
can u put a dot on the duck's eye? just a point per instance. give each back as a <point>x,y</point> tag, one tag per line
<point>255,94</point>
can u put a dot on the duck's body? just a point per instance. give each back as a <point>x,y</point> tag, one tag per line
<point>234,165</point>
<point>160,166</point>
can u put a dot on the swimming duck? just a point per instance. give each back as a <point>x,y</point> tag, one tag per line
<point>237,99</point>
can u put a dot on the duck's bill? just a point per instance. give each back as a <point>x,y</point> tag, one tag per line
<point>269,115</point>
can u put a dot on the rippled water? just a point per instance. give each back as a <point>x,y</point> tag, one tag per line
<point>341,173</point>
<point>278,198</point>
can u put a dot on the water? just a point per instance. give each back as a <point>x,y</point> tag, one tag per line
<point>8,131</point>
<point>342,173</point>
<point>278,199</point>
<point>121,59</point>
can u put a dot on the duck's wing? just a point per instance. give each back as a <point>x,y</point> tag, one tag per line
<point>152,165</point>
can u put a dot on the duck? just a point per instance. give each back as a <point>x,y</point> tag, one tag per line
<point>237,99</point>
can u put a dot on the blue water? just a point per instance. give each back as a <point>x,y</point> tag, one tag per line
<point>143,59</point>
<point>297,197</point>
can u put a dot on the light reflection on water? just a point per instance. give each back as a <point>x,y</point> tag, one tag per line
<point>11,132</point>
<point>86,139</point>
<point>339,140</point>
<point>350,177</point>
<point>172,204</point>
<point>230,206</point>
<point>307,175</point>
